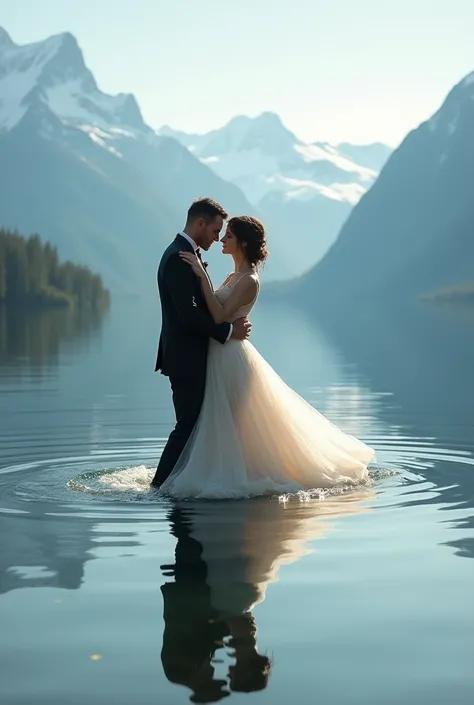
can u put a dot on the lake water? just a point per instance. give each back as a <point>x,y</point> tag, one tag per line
<point>107,593</point>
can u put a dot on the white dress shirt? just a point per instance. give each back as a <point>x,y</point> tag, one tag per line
<point>195,247</point>
<point>190,240</point>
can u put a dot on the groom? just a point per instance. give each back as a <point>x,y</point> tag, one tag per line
<point>187,326</point>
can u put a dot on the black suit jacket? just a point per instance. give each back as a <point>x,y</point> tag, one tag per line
<point>186,324</point>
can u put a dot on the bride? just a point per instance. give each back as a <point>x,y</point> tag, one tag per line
<point>255,435</point>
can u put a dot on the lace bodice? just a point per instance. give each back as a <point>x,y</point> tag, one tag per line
<point>225,290</point>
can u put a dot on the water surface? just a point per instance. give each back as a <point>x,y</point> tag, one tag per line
<point>107,592</point>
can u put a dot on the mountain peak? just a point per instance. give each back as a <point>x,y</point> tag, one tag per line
<point>456,109</point>
<point>129,110</point>
<point>270,118</point>
<point>468,80</point>
<point>67,47</point>
<point>265,132</point>
<point>5,39</point>
<point>53,71</point>
<point>66,62</point>
<point>265,120</point>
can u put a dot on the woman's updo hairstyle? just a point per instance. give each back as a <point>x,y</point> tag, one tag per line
<point>250,235</point>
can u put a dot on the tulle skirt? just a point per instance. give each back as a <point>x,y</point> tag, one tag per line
<point>255,436</point>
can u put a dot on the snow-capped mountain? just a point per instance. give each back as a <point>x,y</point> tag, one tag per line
<point>82,168</point>
<point>413,233</point>
<point>306,189</point>
<point>261,155</point>
<point>373,155</point>
<point>53,72</point>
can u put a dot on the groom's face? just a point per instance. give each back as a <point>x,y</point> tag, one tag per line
<point>209,232</point>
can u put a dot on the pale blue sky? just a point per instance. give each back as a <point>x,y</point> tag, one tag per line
<point>357,70</point>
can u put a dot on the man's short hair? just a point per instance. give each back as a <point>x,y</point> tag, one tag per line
<point>206,208</point>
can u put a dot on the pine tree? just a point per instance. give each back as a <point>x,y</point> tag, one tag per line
<point>31,273</point>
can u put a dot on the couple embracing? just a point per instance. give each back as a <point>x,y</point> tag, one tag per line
<point>240,431</point>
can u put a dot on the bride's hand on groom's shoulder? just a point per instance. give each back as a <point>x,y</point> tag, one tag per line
<point>194,263</point>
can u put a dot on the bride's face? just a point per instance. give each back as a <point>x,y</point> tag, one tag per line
<point>230,244</point>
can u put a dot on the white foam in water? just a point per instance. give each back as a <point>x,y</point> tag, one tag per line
<point>136,479</point>
<point>320,493</point>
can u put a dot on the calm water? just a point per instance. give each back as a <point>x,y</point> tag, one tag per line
<point>107,593</point>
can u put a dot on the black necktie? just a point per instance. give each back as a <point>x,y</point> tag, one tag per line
<point>198,255</point>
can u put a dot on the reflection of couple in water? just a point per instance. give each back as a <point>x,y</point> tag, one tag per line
<point>225,556</point>
<point>195,628</point>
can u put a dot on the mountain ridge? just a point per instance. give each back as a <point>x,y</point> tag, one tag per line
<point>84,170</point>
<point>413,232</point>
<point>304,190</point>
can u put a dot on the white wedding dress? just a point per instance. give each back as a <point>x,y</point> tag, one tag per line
<point>255,435</point>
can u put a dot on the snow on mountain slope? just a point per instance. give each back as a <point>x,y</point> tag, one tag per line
<point>261,155</point>
<point>53,72</point>
<point>51,76</point>
<point>412,234</point>
<point>252,165</point>
<point>374,155</point>
<point>82,167</point>
<point>301,188</point>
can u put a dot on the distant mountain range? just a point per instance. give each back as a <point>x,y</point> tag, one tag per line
<point>304,191</point>
<point>413,233</point>
<point>84,170</point>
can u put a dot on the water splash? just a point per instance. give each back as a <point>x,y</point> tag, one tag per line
<point>134,480</point>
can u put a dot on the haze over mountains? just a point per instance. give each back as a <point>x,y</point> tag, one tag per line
<point>413,232</point>
<point>304,191</point>
<point>84,170</point>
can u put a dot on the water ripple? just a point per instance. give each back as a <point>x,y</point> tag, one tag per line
<point>111,479</point>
